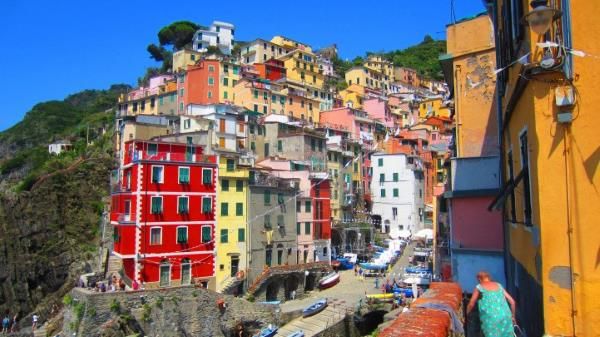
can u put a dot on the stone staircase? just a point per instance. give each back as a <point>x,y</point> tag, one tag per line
<point>311,326</point>
<point>115,265</point>
<point>40,332</point>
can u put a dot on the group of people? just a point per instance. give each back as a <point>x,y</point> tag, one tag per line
<point>113,283</point>
<point>9,324</point>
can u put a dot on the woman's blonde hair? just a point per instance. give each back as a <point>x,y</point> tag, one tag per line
<point>482,275</point>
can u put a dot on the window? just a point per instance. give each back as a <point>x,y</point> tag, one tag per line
<point>265,96</point>
<point>280,222</point>
<point>320,145</point>
<point>224,236</point>
<point>224,185</point>
<point>156,205</point>
<point>253,146</point>
<point>206,205</point>
<point>267,197</point>
<point>116,236</point>
<point>152,149</point>
<point>225,81</point>
<point>394,213</point>
<point>420,193</point>
<point>298,207</point>
<point>224,209</point>
<point>206,234</point>
<point>298,228</point>
<point>211,80</point>
<point>267,221</point>
<point>266,149</point>
<point>182,234</point>
<point>239,185</point>
<point>225,95</point>
<point>183,205</point>
<point>511,176</point>
<point>383,192</point>
<point>313,144</point>
<point>380,162</point>
<point>230,165</point>
<point>181,91</point>
<point>355,167</point>
<point>211,68</point>
<point>280,199</point>
<point>255,107</point>
<point>157,175</point>
<point>280,145</point>
<point>155,236</point>
<point>207,176</point>
<point>307,206</point>
<point>184,175</point>
<point>256,94</point>
<point>307,228</point>
<point>395,175</point>
<point>268,257</point>
<point>239,209</point>
<point>241,235</point>
<point>396,193</point>
<point>526,183</point>
<point>382,177</point>
<point>265,109</point>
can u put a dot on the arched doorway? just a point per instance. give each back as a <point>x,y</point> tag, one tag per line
<point>164,273</point>
<point>272,290</point>
<point>186,271</point>
<point>291,285</point>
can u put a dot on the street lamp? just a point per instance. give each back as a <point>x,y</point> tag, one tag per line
<point>541,17</point>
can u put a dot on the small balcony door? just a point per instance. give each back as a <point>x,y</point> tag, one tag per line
<point>235,265</point>
<point>186,272</point>
<point>165,274</point>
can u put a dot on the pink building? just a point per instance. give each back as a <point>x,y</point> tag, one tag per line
<point>377,108</point>
<point>357,122</point>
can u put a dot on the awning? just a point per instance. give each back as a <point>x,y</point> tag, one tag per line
<point>508,188</point>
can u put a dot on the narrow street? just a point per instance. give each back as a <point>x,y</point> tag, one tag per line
<point>342,298</point>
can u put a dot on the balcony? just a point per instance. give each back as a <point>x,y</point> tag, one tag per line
<point>246,159</point>
<point>474,176</point>
<point>123,218</point>
<point>171,157</point>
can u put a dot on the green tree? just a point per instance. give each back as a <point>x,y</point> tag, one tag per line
<point>177,34</point>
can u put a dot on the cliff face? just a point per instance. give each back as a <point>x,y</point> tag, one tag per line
<point>174,312</point>
<point>47,234</point>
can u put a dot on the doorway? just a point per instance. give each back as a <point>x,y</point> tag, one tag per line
<point>186,271</point>
<point>165,273</point>
<point>235,265</point>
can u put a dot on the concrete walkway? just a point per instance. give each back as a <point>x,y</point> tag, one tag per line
<point>342,298</point>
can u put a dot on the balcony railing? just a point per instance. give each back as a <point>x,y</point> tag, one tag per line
<point>171,157</point>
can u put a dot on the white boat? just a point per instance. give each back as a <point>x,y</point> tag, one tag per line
<point>329,280</point>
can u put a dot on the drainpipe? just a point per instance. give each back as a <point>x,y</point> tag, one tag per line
<point>573,275</point>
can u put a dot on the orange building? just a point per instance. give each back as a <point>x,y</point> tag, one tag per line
<point>200,84</point>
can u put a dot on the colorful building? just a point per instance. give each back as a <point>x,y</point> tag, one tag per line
<point>473,179</point>
<point>260,51</point>
<point>272,70</point>
<point>550,159</point>
<point>219,34</point>
<point>158,98</point>
<point>407,75</point>
<point>163,214</point>
<point>184,58</point>
<point>383,66</point>
<point>433,107</point>
<point>199,84</point>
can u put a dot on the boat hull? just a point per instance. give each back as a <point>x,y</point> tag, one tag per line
<point>314,309</point>
<point>329,282</point>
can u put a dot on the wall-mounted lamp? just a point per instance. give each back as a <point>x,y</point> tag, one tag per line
<point>541,17</point>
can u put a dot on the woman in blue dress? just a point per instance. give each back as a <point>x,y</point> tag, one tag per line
<point>496,317</point>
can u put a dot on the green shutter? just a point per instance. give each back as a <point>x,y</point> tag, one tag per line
<point>183,205</point>
<point>156,174</point>
<point>156,205</point>
<point>206,234</point>
<point>239,185</point>
<point>382,177</point>
<point>307,228</point>
<point>230,165</point>
<point>395,176</point>
<point>207,176</point>
<point>182,235</point>
<point>224,236</point>
<point>184,175</point>
<point>298,230</point>
<point>224,209</point>
<point>267,197</point>
<point>239,209</point>
<point>224,185</point>
<point>308,206</point>
<point>395,192</point>
<point>241,235</point>
<point>206,205</point>
<point>279,145</point>
<point>280,198</point>
<point>383,193</point>
<point>380,162</point>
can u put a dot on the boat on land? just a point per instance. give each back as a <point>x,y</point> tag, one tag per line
<point>298,333</point>
<point>373,266</point>
<point>315,308</point>
<point>329,281</point>
<point>269,331</point>
<point>380,296</point>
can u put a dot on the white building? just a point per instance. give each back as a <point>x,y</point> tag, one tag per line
<point>59,147</point>
<point>397,191</point>
<point>220,34</point>
<point>227,123</point>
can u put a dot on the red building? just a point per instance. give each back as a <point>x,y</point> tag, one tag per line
<point>271,70</point>
<point>163,213</point>
<point>321,194</point>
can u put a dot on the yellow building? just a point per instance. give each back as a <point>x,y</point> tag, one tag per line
<point>154,100</point>
<point>381,65</point>
<point>184,58</point>
<point>290,44</point>
<point>551,194</point>
<point>353,96</point>
<point>301,67</point>
<point>368,78</point>
<point>229,75</point>
<point>261,96</point>
<point>433,107</point>
<point>232,217</point>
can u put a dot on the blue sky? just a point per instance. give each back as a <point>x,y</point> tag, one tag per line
<point>54,48</point>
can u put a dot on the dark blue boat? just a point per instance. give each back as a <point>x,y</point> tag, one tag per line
<point>298,333</point>
<point>345,263</point>
<point>269,331</point>
<point>406,291</point>
<point>315,308</point>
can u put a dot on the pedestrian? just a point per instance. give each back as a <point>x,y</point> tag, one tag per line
<point>34,321</point>
<point>135,285</point>
<point>5,323</point>
<point>360,274</point>
<point>496,317</point>
<point>293,294</point>
<point>102,287</point>
<point>355,270</point>
<point>377,282</point>
<point>15,322</point>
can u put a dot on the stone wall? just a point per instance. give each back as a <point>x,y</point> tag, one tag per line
<point>181,311</point>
